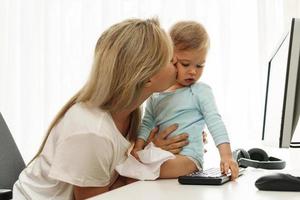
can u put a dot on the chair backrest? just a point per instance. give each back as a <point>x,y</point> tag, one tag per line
<point>11,161</point>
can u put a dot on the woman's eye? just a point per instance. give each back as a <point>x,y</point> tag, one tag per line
<point>173,61</point>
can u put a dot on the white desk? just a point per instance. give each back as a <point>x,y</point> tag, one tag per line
<point>243,188</point>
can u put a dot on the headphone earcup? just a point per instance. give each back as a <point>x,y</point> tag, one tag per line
<point>240,153</point>
<point>258,154</point>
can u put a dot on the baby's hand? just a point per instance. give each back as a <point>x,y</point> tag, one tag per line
<point>134,153</point>
<point>229,163</point>
<point>138,145</point>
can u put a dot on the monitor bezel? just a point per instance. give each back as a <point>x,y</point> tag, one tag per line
<point>288,121</point>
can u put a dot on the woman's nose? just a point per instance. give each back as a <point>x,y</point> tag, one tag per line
<point>174,60</point>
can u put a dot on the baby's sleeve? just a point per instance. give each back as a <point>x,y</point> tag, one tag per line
<point>212,117</point>
<point>148,121</point>
<point>83,160</point>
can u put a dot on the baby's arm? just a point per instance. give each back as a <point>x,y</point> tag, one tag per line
<point>144,129</point>
<point>227,162</point>
<point>217,129</point>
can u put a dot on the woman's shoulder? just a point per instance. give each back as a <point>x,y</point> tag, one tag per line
<point>81,118</point>
<point>82,113</point>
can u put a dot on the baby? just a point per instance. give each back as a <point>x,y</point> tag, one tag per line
<point>188,103</point>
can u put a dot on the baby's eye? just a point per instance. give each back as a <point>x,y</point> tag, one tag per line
<point>185,64</point>
<point>199,65</point>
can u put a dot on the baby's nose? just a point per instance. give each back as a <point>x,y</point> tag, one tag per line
<point>192,71</point>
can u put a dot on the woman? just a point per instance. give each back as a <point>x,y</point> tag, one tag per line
<point>93,131</point>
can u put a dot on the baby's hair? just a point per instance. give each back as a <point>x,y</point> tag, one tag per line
<point>189,35</point>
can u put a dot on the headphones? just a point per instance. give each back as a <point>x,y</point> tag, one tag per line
<point>257,158</point>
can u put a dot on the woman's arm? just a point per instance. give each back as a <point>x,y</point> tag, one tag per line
<point>172,144</point>
<point>87,192</point>
<point>160,139</point>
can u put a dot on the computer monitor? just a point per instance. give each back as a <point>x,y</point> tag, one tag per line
<point>282,101</point>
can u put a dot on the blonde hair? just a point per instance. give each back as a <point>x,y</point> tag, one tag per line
<point>126,56</point>
<point>189,35</point>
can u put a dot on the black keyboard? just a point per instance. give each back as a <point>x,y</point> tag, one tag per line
<point>211,176</point>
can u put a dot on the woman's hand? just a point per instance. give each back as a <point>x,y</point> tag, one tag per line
<point>172,144</point>
<point>204,139</point>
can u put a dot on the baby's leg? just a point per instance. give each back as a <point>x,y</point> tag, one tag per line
<point>179,166</point>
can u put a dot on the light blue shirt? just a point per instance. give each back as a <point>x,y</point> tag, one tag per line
<point>191,108</point>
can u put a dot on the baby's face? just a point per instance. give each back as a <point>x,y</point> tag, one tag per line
<point>190,66</point>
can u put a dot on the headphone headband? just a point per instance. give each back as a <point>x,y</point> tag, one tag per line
<point>257,158</point>
<point>275,163</point>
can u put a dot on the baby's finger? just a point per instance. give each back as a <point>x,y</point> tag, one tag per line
<point>221,168</point>
<point>234,171</point>
<point>226,168</point>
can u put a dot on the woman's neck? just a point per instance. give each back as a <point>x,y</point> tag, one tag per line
<point>122,122</point>
<point>122,117</point>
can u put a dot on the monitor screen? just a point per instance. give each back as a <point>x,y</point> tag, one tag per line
<point>282,92</point>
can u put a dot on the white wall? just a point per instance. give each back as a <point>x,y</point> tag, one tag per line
<point>46,50</point>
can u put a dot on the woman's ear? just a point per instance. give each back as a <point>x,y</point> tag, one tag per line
<point>148,83</point>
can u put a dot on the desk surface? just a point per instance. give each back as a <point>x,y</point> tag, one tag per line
<point>241,189</point>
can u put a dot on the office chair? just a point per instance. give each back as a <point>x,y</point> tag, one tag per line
<point>11,161</point>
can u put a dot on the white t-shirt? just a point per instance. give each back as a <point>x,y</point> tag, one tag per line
<point>83,149</point>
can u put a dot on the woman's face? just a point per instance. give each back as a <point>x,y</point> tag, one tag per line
<point>166,77</point>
